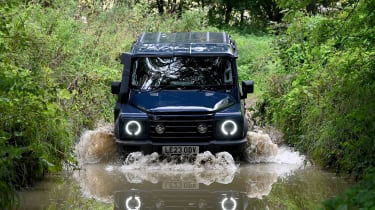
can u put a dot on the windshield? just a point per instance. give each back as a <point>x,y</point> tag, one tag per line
<point>181,73</point>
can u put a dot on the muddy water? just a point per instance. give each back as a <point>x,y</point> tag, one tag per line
<point>273,177</point>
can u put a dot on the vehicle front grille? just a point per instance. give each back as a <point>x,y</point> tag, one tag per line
<point>184,127</point>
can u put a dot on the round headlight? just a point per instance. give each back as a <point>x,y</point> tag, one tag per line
<point>160,128</point>
<point>133,128</point>
<point>228,203</point>
<point>133,203</point>
<point>229,127</point>
<point>202,128</point>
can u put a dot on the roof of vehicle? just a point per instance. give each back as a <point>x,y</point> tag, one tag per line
<point>184,43</point>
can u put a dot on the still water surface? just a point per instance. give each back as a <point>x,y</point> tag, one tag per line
<point>283,180</point>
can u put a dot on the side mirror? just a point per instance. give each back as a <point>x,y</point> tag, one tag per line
<point>247,87</point>
<point>115,87</point>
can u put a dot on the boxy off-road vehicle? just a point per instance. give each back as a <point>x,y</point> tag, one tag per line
<point>180,95</point>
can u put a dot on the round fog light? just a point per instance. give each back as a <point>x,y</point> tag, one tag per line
<point>160,128</point>
<point>202,128</point>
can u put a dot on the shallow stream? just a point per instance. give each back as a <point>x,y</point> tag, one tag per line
<point>273,177</point>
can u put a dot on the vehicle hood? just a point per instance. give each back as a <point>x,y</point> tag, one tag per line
<point>181,101</point>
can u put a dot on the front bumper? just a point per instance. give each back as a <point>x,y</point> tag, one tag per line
<point>214,146</point>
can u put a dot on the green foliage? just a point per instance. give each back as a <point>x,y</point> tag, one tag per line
<point>243,13</point>
<point>57,62</point>
<point>360,196</point>
<point>253,61</point>
<point>322,96</point>
<point>34,133</point>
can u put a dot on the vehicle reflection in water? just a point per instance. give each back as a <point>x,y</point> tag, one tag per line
<point>135,199</point>
<point>211,182</point>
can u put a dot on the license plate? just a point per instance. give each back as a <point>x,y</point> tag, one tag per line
<point>180,150</point>
<point>180,185</point>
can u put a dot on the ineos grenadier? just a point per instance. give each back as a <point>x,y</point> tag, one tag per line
<point>180,95</point>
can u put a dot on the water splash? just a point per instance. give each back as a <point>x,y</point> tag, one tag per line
<point>287,155</point>
<point>96,145</point>
<point>203,161</point>
<point>259,147</point>
<point>262,149</point>
<point>207,168</point>
<point>100,176</point>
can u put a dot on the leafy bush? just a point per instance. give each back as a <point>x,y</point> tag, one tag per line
<point>324,104</point>
<point>322,98</point>
<point>254,57</point>
<point>360,196</point>
<point>34,133</point>
<point>57,62</point>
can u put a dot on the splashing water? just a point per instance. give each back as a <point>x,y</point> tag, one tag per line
<point>203,161</point>
<point>96,145</point>
<point>99,176</point>
<point>207,168</point>
<point>260,147</point>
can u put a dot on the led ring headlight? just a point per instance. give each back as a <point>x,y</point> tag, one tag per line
<point>229,127</point>
<point>133,128</point>
<point>133,203</point>
<point>228,204</point>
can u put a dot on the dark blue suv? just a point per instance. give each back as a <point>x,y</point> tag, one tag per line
<point>180,95</point>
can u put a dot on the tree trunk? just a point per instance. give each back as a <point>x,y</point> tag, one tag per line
<point>271,10</point>
<point>160,4</point>
<point>312,7</point>
<point>243,17</point>
<point>180,8</point>
<point>228,11</point>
